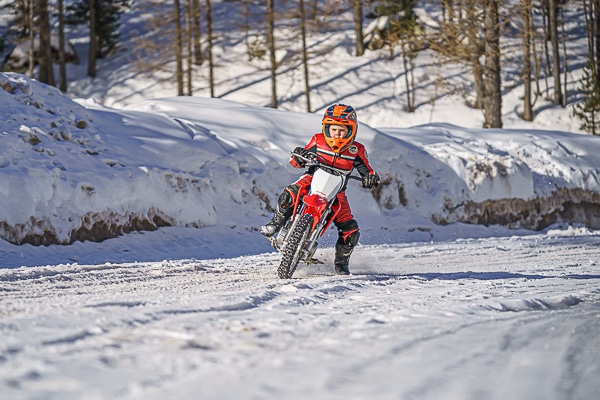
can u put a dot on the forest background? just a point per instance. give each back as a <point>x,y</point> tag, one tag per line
<point>496,45</point>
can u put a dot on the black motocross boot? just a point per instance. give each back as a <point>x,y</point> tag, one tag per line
<point>344,248</point>
<point>275,224</point>
<point>342,258</point>
<point>348,238</point>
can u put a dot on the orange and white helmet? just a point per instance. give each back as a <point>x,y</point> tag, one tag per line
<point>340,114</point>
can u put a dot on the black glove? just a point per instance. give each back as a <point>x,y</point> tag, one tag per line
<point>301,151</point>
<point>370,181</point>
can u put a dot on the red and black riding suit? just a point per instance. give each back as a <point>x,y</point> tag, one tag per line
<point>355,156</point>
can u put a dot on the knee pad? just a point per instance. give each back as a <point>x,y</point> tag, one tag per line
<point>285,200</point>
<point>348,233</point>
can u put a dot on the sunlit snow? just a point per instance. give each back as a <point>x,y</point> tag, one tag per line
<point>131,266</point>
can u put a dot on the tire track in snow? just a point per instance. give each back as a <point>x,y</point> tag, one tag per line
<point>419,309</point>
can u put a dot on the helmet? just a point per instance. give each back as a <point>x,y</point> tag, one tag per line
<point>340,114</point>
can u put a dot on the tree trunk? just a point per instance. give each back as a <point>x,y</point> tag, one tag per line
<point>407,63</point>
<point>544,8</point>
<point>271,45</point>
<point>62,85</point>
<point>527,34</point>
<point>409,102</point>
<point>211,66</point>
<point>93,40</point>
<point>304,54</point>
<point>413,88</point>
<point>563,103</point>
<point>46,71</point>
<point>178,48</point>
<point>358,28</point>
<point>588,12</point>
<point>197,32</point>
<point>492,102</point>
<point>474,56</point>
<point>246,14</point>
<point>596,7</point>
<point>553,27</point>
<point>189,40</point>
<point>31,22</point>
<point>536,59</point>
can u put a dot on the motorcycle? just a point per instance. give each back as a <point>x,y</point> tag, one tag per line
<point>314,211</point>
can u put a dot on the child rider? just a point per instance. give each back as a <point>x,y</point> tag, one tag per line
<point>335,145</point>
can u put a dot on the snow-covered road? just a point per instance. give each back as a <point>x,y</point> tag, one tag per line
<point>502,318</point>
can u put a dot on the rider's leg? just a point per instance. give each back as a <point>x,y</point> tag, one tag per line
<point>348,235</point>
<point>344,247</point>
<point>285,206</point>
<point>282,213</point>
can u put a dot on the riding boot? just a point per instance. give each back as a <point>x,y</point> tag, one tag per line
<point>275,224</point>
<point>348,238</point>
<point>342,258</point>
<point>282,214</point>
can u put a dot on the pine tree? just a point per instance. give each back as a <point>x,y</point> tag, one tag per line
<point>588,109</point>
<point>108,13</point>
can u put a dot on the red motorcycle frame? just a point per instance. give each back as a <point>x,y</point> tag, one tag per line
<point>315,209</point>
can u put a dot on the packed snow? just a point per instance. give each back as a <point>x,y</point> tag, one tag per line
<point>498,318</point>
<point>131,266</point>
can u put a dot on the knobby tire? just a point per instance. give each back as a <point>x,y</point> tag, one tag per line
<point>293,249</point>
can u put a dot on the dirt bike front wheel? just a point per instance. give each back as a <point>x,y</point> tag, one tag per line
<point>292,252</point>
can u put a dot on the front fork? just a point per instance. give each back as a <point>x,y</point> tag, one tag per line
<point>310,246</point>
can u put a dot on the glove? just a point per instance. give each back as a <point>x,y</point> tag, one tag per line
<point>370,181</point>
<point>301,151</point>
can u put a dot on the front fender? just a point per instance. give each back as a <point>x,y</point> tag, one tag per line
<point>315,205</point>
<point>317,202</point>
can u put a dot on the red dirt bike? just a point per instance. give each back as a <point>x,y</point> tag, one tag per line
<point>314,211</point>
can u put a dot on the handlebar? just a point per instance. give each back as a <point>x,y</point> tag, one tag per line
<point>314,161</point>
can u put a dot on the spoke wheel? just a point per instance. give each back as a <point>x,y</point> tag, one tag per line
<point>293,249</point>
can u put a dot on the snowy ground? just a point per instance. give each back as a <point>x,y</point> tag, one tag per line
<point>430,312</point>
<point>501,318</point>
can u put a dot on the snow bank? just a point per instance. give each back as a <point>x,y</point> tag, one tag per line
<point>75,170</point>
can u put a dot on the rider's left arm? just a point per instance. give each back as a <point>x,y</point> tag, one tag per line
<point>361,163</point>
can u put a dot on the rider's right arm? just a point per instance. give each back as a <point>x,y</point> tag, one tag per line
<point>294,164</point>
<point>310,146</point>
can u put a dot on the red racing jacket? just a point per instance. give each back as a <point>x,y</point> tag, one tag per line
<point>355,156</point>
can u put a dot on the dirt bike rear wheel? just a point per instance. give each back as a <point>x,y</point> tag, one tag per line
<point>293,249</point>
